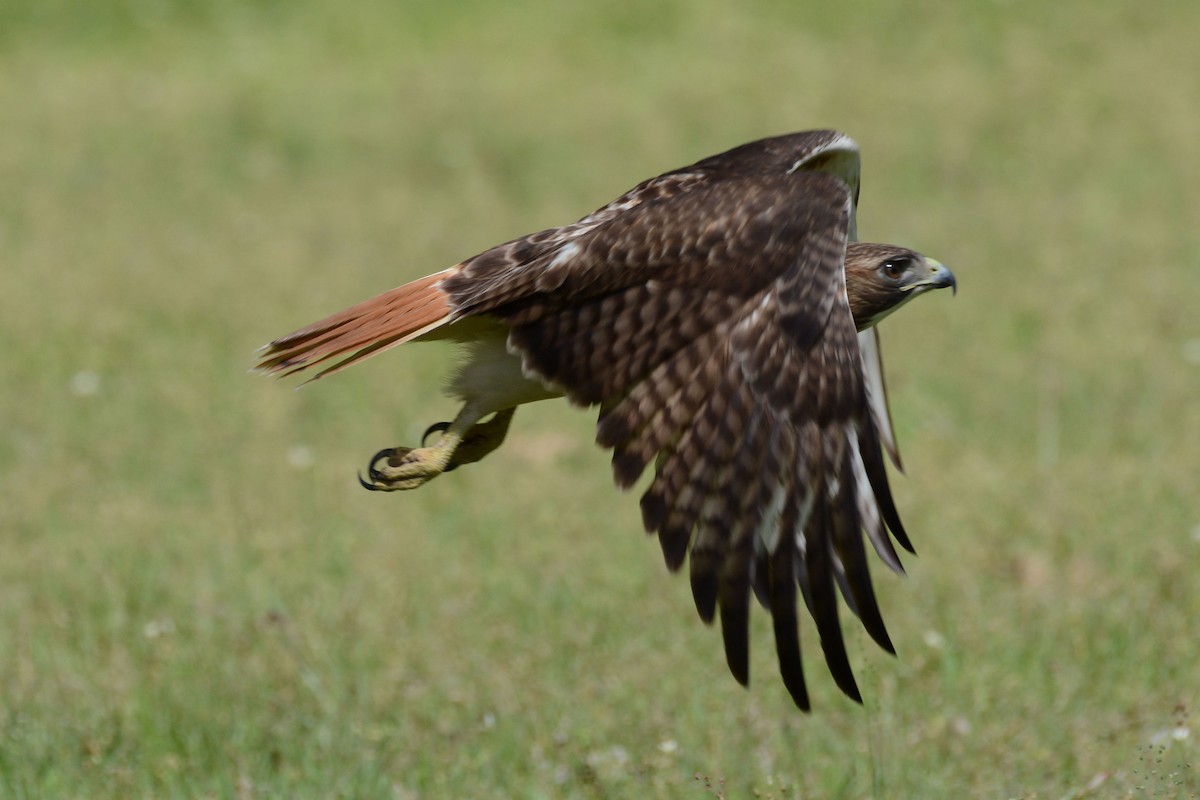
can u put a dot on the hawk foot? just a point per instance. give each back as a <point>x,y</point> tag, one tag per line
<point>398,468</point>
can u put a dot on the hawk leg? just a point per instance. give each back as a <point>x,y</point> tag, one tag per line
<point>463,441</point>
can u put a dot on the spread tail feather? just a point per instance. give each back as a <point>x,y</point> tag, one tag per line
<point>362,330</point>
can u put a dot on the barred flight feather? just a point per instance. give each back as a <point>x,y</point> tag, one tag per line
<point>710,313</point>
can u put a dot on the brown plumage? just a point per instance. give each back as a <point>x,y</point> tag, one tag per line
<point>721,316</point>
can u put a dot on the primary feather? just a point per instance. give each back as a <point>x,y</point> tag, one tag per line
<point>721,316</point>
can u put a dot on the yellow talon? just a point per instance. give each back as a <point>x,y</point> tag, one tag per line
<point>462,442</point>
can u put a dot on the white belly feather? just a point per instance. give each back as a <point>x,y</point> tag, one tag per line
<point>489,378</point>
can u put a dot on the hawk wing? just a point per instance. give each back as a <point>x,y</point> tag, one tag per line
<point>705,312</point>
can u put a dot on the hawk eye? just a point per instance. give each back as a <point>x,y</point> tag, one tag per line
<point>895,267</point>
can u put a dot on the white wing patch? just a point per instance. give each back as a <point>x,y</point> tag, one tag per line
<point>872,358</point>
<point>868,507</point>
<point>768,528</point>
<point>838,157</point>
<point>564,255</point>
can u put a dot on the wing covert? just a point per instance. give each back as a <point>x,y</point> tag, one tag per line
<point>712,328</point>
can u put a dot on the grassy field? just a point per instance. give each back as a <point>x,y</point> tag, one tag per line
<point>197,599</point>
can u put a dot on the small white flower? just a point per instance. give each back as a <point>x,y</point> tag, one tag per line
<point>300,456</point>
<point>158,627</point>
<point>85,383</point>
<point>609,763</point>
<point>935,640</point>
<point>1178,734</point>
<point>668,747</point>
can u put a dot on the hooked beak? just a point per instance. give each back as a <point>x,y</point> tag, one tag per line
<point>939,277</point>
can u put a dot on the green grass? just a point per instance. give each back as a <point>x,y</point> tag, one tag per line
<point>196,598</point>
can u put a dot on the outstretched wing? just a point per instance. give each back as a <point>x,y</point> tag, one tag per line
<point>705,312</point>
<point>711,326</point>
<point>539,261</point>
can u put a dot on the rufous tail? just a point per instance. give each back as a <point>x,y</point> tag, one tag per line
<point>363,330</point>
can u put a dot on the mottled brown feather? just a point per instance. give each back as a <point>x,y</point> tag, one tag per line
<point>650,351</point>
<point>705,311</point>
<point>780,565</point>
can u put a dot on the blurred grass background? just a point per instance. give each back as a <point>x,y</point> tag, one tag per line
<point>196,598</point>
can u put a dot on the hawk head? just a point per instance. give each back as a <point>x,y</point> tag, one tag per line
<point>882,277</point>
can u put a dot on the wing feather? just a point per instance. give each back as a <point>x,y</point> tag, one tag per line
<point>711,325</point>
<point>822,599</point>
<point>849,552</point>
<point>881,412</point>
<point>705,313</point>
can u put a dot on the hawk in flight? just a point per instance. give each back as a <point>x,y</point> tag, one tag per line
<point>722,316</point>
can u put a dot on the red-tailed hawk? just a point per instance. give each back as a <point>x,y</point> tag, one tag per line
<point>722,317</point>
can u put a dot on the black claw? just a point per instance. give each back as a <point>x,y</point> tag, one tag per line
<point>373,473</point>
<point>370,487</point>
<point>392,455</point>
<point>440,427</point>
<point>386,452</point>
